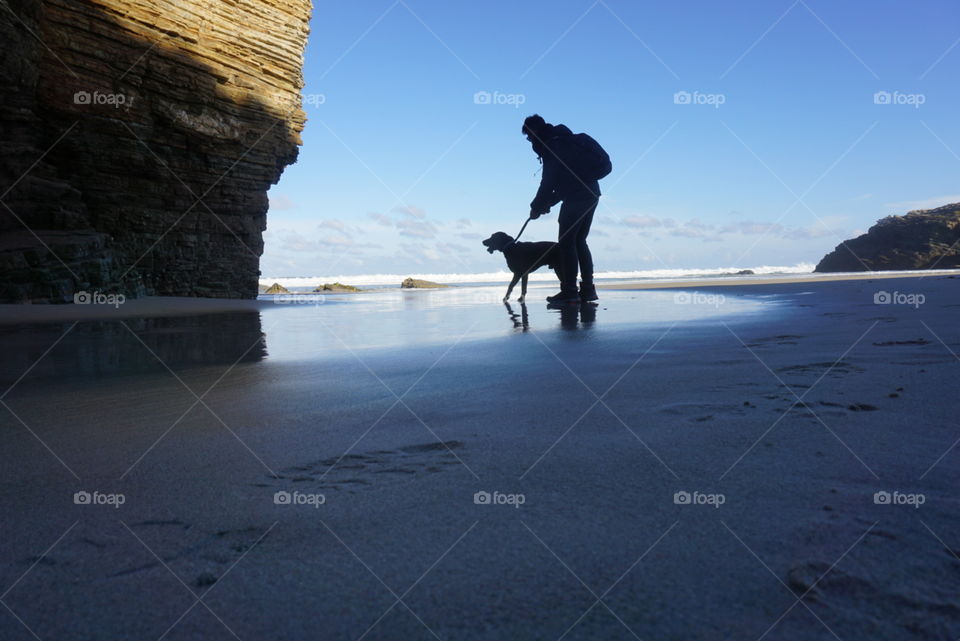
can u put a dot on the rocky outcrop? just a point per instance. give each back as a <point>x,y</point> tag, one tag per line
<point>276,288</point>
<point>416,283</point>
<point>922,239</point>
<point>139,139</point>
<point>337,288</point>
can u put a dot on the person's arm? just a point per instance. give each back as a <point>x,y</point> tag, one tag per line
<point>547,193</point>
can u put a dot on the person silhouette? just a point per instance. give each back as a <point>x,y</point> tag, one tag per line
<point>573,165</point>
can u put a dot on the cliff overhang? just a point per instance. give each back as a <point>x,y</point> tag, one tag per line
<point>140,138</point>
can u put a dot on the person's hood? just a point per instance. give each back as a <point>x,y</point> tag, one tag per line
<point>558,130</point>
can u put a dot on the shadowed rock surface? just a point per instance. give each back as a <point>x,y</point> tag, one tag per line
<point>922,239</point>
<point>140,138</point>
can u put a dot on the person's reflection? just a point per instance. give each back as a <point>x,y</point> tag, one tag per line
<point>520,321</point>
<point>573,316</point>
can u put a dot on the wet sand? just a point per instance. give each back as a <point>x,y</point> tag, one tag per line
<point>780,409</point>
<point>772,279</point>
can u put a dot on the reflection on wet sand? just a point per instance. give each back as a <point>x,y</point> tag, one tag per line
<point>571,316</point>
<point>576,315</point>
<point>132,345</point>
<point>520,321</point>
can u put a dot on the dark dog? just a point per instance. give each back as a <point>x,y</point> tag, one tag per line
<point>524,259</point>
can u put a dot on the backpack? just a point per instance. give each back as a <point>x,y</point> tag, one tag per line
<point>586,158</point>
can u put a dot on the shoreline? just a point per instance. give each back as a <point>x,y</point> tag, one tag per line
<point>771,280</point>
<point>166,306</point>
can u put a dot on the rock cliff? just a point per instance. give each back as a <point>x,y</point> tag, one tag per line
<point>922,239</point>
<point>139,140</point>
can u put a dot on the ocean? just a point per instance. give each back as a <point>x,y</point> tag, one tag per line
<point>485,279</point>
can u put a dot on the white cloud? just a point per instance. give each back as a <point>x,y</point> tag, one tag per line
<point>411,210</point>
<point>806,233</point>
<point>689,232</point>
<point>381,219</point>
<point>281,202</point>
<point>336,240</point>
<point>419,253</point>
<point>416,228</point>
<point>752,228</point>
<point>452,248</point>
<point>295,242</point>
<point>929,203</point>
<point>334,224</point>
<point>642,222</point>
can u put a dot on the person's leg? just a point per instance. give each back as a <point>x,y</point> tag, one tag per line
<point>569,220</point>
<point>584,257</point>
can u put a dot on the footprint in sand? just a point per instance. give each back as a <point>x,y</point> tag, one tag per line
<point>703,412</point>
<point>832,369</point>
<point>370,468</point>
<point>190,552</point>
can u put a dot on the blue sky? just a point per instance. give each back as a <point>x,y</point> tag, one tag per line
<point>777,150</point>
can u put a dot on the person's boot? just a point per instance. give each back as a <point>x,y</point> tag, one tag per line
<point>588,292</point>
<point>564,297</point>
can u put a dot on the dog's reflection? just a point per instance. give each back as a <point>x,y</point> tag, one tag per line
<point>571,316</point>
<point>520,321</point>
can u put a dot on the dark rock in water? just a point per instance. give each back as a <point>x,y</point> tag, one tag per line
<point>922,239</point>
<point>416,283</point>
<point>276,288</point>
<point>139,140</point>
<point>745,272</point>
<point>337,288</point>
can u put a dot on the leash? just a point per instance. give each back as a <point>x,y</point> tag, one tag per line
<point>517,237</point>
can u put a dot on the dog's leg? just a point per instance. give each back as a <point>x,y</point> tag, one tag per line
<point>523,289</point>
<point>513,283</point>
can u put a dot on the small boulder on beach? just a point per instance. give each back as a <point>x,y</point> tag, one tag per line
<point>276,288</point>
<point>337,288</point>
<point>416,283</point>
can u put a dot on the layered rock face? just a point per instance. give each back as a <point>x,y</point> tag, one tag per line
<point>139,140</point>
<point>922,239</point>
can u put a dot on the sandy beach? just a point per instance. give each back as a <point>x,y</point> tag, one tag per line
<point>773,460</point>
